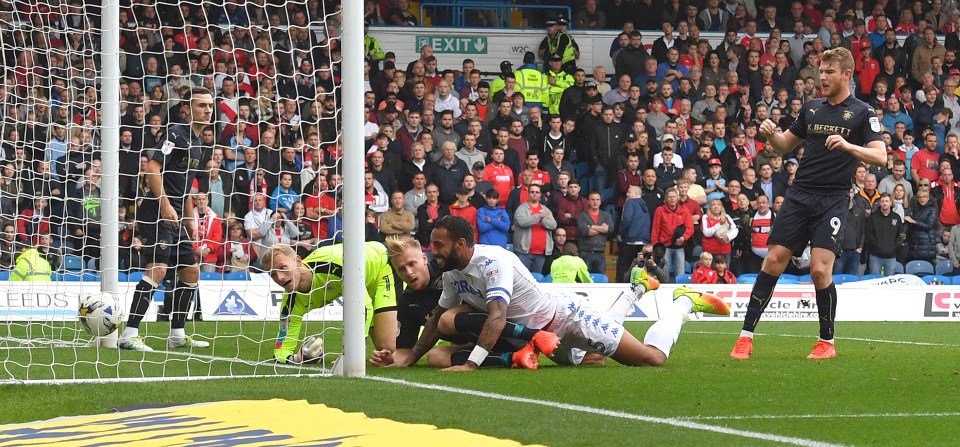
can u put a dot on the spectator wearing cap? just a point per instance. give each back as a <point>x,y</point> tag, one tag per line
<point>668,140</point>
<point>557,81</point>
<point>716,188</point>
<point>496,85</point>
<point>572,52</point>
<point>531,81</point>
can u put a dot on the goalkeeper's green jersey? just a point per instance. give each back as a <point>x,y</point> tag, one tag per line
<point>569,268</point>
<point>327,266</point>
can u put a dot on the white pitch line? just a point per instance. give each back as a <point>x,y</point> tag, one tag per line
<point>868,340</point>
<point>615,414</point>
<point>818,416</point>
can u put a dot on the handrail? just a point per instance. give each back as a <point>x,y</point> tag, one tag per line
<point>501,8</point>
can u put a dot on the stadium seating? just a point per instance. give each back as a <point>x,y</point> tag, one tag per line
<point>77,276</point>
<point>4,275</point>
<point>938,279</point>
<point>920,268</point>
<point>898,269</point>
<point>599,278</point>
<point>683,279</point>
<point>537,276</point>
<point>841,278</point>
<point>943,267</point>
<point>789,277</point>
<point>869,277</point>
<point>211,276</point>
<point>548,278</point>
<point>747,278</point>
<point>237,276</point>
<point>956,280</point>
<point>72,263</point>
<point>804,279</point>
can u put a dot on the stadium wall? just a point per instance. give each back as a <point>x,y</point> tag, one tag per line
<point>259,300</point>
<point>452,45</point>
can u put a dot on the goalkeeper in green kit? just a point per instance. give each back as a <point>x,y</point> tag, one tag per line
<point>570,267</point>
<point>317,280</point>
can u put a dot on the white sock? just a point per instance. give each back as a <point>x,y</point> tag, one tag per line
<point>130,332</point>
<point>747,334</point>
<point>664,333</point>
<point>178,334</point>
<point>827,341</point>
<point>622,306</point>
<point>684,305</point>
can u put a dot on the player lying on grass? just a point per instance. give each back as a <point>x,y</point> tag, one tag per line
<point>492,279</point>
<point>416,304</point>
<point>315,281</point>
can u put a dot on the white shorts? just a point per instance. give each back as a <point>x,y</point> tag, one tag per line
<point>582,329</point>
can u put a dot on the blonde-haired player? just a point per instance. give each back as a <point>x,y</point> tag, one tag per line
<point>317,280</point>
<point>838,132</point>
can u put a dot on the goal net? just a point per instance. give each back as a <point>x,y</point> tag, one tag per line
<point>264,170</point>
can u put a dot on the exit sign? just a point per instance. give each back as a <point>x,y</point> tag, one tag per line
<point>454,44</point>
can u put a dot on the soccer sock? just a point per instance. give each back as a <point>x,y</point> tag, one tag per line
<point>622,306</point>
<point>182,294</point>
<point>664,333</point>
<point>759,298</point>
<point>142,295</point>
<point>684,304</point>
<point>502,360</point>
<point>827,308</point>
<point>472,323</point>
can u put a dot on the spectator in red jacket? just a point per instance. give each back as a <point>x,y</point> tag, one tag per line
<point>703,273</point>
<point>209,233</point>
<point>672,227</point>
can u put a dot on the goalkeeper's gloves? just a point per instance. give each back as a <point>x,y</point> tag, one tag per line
<point>311,351</point>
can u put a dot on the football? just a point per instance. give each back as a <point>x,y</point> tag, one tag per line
<point>99,314</point>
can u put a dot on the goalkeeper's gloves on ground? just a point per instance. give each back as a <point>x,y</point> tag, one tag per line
<point>311,351</point>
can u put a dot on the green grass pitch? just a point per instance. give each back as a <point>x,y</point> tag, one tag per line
<point>894,384</point>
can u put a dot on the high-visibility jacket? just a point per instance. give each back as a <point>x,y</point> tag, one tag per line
<point>372,48</point>
<point>562,43</point>
<point>31,266</point>
<point>555,91</point>
<point>533,84</point>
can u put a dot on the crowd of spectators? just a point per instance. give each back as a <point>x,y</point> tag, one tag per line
<point>659,163</point>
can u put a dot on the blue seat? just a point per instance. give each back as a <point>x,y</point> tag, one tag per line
<point>805,279</point>
<point>548,278</point>
<point>943,267</point>
<point>747,278</point>
<point>869,277</point>
<point>789,277</point>
<point>898,269</point>
<point>72,263</point>
<point>4,275</point>
<point>696,252</point>
<point>956,280</point>
<point>788,280</point>
<point>135,276</point>
<point>599,278</point>
<point>122,277</point>
<point>920,268</point>
<point>841,278</point>
<point>938,279</point>
<point>237,276</point>
<point>683,279</point>
<point>687,267</point>
<point>537,276</point>
<point>211,276</point>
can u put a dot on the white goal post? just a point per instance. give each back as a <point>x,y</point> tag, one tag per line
<point>90,88</point>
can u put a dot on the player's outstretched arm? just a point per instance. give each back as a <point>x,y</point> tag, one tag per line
<point>874,152</point>
<point>782,142</point>
<point>492,328</point>
<point>429,337</point>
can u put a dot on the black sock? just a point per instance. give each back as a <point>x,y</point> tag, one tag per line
<point>472,323</point>
<point>494,359</point>
<point>827,308</point>
<point>142,295</point>
<point>182,295</point>
<point>759,298</point>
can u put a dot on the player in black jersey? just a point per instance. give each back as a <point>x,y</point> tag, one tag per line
<point>838,132</point>
<point>165,224</point>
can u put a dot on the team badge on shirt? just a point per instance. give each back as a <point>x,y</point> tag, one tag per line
<point>847,115</point>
